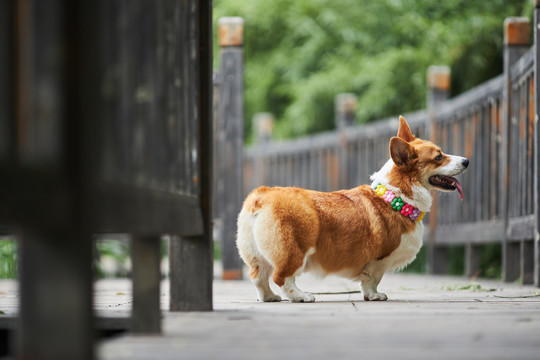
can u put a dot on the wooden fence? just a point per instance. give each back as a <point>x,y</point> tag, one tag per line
<point>105,127</point>
<point>493,125</point>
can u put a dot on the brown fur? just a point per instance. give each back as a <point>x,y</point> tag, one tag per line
<point>348,228</point>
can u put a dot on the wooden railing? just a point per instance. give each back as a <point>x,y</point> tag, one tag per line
<point>493,125</point>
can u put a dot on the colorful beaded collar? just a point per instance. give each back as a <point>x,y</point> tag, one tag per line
<point>397,203</point>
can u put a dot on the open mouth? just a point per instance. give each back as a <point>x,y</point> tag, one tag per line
<point>448,183</point>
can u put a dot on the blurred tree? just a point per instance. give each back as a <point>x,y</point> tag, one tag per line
<point>300,54</point>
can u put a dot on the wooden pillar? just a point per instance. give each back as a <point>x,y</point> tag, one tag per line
<point>7,131</point>
<point>536,245</point>
<point>55,276</point>
<point>526,264</point>
<point>516,43</point>
<point>473,255</point>
<point>229,142</point>
<point>146,277</point>
<point>191,258</point>
<point>55,273</point>
<point>345,112</point>
<point>191,276</point>
<point>438,81</point>
<point>263,126</point>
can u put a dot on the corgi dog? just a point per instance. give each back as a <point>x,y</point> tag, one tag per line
<point>358,234</point>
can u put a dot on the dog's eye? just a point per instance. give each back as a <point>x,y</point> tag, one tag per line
<point>439,157</point>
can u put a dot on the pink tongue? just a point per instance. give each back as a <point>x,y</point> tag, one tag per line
<point>459,189</point>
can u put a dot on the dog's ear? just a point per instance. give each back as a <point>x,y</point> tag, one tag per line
<point>401,152</point>
<point>404,130</point>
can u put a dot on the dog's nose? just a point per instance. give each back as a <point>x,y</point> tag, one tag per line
<point>466,163</point>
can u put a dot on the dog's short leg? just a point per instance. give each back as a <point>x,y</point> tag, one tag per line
<point>293,293</point>
<point>371,277</point>
<point>284,276</point>
<point>259,278</point>
<point>264,292</point>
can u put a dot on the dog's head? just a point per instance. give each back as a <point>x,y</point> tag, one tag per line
<point>422,163</point>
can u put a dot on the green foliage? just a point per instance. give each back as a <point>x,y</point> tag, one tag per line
<point>456,260</point>
<point>474,287</point>
<point>117,250</point>
<point>217,250</point>
<point>300,54</point>
<point>8,259</point>
<point>490,261</point>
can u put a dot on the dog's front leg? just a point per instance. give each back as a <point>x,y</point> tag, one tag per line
<point>371,277</point>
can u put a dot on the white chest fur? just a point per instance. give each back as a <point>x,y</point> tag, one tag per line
<point>407,249</point>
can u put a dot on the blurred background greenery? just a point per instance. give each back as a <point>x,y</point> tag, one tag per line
<point>8,258</point>
<point>300,54</point>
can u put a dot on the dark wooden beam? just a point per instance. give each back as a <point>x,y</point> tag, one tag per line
<point>146,276</point>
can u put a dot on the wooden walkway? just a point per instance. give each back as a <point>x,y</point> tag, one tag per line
<point>426,318</point>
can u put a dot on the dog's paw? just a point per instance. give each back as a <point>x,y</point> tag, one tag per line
<point>375,297</point>
<point>271,298</point>
<point>301,297</point>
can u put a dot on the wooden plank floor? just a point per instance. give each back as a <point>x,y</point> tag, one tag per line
<point>425,318</point>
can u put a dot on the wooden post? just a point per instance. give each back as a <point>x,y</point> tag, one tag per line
<point>56,296</point>
<point>526,263</point>
<point>472,259</point>
<point>345,112</point>
<point>438,81</point>
<point>187,290</point>
<point>55,273</point>
<point>7,132</point>
<point>191,258</point>
<point>229,141</point>
<point>536,174</point>
<point>263,125</point>
<point>516,43</point>
<point>146,277</point>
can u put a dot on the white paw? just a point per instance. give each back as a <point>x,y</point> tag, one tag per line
<point>376,296</point>
<point>297,296</point>
<point>271,298</point>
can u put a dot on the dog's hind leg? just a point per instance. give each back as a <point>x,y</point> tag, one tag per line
<point>260,271</point>
<point>285,277</point>
<point>285,234</point>
<point>259,268</point>
<point>293,293</point>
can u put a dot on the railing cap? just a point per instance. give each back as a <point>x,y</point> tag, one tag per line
<point>346,103</point>
<point>517,31</point>
<point>263,125</point>
<point>230,31</point>
<point>438,77</point>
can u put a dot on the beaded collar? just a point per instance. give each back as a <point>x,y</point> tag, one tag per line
<point>397,203</point>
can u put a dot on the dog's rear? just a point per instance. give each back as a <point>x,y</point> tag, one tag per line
<point>272,224</point>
